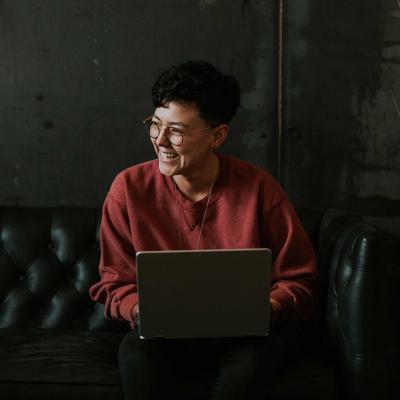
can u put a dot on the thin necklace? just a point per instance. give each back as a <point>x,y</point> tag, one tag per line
<point>180,212</point>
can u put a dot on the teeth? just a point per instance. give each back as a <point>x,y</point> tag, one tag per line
<point>168,156</point>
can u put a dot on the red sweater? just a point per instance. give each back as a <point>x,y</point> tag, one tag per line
<point>247,209</point>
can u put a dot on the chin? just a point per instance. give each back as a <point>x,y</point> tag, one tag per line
<point>165,170</point>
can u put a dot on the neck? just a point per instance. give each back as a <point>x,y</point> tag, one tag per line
<point>197,186</point>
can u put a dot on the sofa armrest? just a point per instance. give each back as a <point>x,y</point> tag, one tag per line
<point>360,272</point>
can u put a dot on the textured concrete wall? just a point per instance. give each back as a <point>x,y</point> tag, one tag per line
<point>75,80</point>
<point>75,83</point>
<point>342,126</point>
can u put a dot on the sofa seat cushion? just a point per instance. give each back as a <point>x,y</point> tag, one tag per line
<point>42,356</point>
<point>67,361</point>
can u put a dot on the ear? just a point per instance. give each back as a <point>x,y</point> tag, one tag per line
<point>220,133</point>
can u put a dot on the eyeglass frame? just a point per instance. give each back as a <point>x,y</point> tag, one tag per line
<point>168,127</point>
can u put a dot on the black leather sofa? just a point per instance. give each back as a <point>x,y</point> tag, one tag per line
<point>55,342</point>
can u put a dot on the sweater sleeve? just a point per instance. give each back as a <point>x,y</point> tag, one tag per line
<point>294,266</point>
<point>117,288</point>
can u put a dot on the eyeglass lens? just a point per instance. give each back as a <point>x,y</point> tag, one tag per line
<point>154,131</point>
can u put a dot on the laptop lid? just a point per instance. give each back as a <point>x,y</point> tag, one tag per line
<point>204,293</point>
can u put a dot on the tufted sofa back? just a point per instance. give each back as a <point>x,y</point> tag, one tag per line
<point>48,260</point>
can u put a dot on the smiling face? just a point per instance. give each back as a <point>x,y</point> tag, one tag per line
<point>197,149</point>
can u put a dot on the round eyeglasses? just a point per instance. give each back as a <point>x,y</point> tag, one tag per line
<point>174,135</point>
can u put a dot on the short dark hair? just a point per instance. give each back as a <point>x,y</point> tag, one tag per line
<point>217,96</point>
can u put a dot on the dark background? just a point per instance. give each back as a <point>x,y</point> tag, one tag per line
<point>75,79</point>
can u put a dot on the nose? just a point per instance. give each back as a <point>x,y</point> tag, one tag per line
<point>162,137</point>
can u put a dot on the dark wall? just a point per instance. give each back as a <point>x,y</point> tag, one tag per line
<point>75,80</point>
<point>342,116</point>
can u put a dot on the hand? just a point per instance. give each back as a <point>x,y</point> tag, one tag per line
<point>276,310</point>
<point>135,314</point>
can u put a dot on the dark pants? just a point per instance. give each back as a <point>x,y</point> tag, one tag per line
<point>233,368</point>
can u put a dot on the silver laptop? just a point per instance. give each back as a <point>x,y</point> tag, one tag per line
<point>204,293</point>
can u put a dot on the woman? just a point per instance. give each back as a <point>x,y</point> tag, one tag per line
<point>191,197</point>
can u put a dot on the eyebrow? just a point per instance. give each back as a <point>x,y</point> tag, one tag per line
<point>173,123</point>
